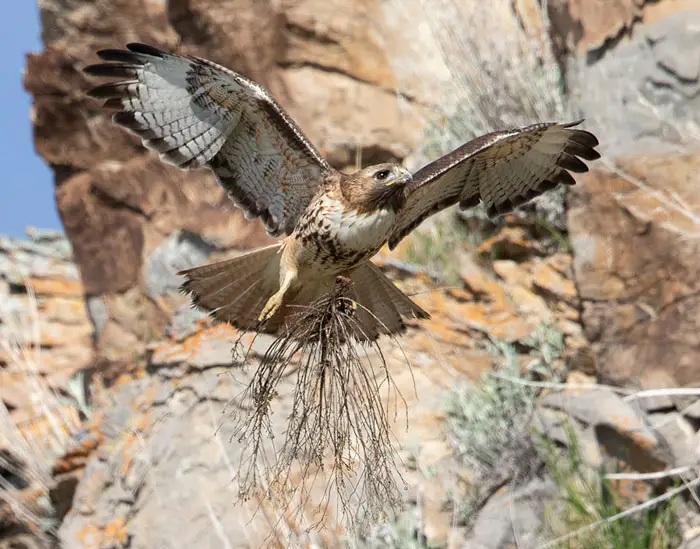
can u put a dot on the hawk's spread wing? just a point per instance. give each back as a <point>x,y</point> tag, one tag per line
<point>196,113</point>
<point>501,169</point>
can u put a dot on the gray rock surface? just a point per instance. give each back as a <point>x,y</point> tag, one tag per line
<point>513,518</point>
<point>181,250</point>
<point>643,96</point>
<point>42,253</point>
<point>678,434</point>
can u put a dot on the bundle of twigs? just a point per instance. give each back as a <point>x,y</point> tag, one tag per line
<point>338,426</point>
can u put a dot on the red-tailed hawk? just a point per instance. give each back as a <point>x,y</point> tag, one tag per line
<point>198,114</point>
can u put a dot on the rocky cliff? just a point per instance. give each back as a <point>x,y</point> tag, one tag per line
<point>151,448</point>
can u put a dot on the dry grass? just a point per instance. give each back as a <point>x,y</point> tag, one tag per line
<point>481,70</point>
<point>590,514</point>
<point>338,443</point>
<point>27,452</point>
<point>499,63</point>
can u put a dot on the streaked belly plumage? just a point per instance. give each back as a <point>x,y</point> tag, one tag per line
<point>333,238</point>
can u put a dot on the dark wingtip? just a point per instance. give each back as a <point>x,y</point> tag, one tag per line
<point>572,163</point>
<point>136,53</point>
<point>107,91</point>
<point>423,315</point>
<point>145,49</point>
<point>112,54</point>
<point>101,92</point>
<point>95,70</point>
<point>122,70</point>
<point>585,138</point>
<point>124,118</point>
<point>574,123</point>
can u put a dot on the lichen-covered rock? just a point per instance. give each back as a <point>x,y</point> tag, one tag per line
<point>584,27</point>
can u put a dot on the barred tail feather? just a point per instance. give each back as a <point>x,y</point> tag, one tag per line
<point>382,305</point>
<point>237,289</point>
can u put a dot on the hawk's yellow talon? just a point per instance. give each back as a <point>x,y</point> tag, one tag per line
<point>270,307</point>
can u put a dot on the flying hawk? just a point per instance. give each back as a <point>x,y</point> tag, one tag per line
<point>198,114</point>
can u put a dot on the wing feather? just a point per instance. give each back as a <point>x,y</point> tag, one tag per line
<point>196,114</point>
<point>502,170</point>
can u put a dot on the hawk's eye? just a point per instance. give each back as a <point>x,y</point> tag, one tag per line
<point>381,176</point>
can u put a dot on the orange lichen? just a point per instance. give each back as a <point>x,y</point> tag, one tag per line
<point>142,423</point>
<point>188,346</point>
<point>115,533</point>
<point>552,281</point>
<point>89,536</point>
<point>76,456</point>
<point>634,491</point>
<point>126,457</point>
<point>56,286</point>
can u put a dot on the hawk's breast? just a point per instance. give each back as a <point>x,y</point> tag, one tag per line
<point>335,235</point>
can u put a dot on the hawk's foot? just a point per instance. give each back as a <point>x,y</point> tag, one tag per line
<point>271,307</point>
<point>276,300</point>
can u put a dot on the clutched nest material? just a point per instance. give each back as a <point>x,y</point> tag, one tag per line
<point>338,443</point>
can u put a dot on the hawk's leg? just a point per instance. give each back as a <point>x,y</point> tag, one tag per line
<point>342,283</point>
<point>276,300</point>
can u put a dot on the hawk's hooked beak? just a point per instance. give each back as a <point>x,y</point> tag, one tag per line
<point>403,177</point>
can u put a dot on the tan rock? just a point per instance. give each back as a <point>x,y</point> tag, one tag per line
<point>512,272</point>
<point>480,282</point>
<point>356,114</point>
<point>67,310</point>
<point>636,268</point>
<point>619,426</point>
<point>549,280</point>
<point>530,304</point>
<point>114,219</point>
<point>582,27</point>
<point>586,26</point>
<point>342,37</point>
<point>244,35</point>
<point>560,262</point>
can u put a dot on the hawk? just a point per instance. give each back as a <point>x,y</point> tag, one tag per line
<point>197,114</point>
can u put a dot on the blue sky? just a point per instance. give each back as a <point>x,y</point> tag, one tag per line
<point>26,197</point>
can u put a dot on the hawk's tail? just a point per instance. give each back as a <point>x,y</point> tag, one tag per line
<point>382,305</point>
<point>237,289</point>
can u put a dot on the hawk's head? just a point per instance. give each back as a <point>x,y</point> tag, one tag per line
<point>377,187</point>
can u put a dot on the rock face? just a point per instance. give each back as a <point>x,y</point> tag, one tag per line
<point>175,419</point>
<point>643,96</point>
<point>150,454</point>
<point>636,265</point>
<point>582,27</point>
